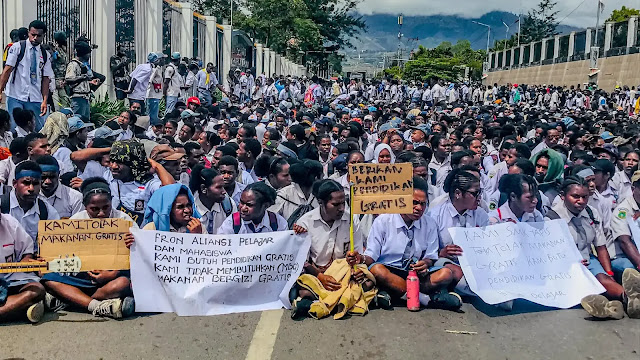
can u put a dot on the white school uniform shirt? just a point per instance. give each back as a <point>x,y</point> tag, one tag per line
<point>237,192</point>
<point>264,226</point>
<point>498,171</point>
<point>7,171</point>
<point>504,214</point>
<point>22,89</point>
<point>66,201</point>
<point>328,243</point>
<point>213,218</point>
<point>15,243</point>
<point>621,183</point>
<point>29,219</point>
<point>593,233</point>
<point>390,235</point>
<point>95,169</point>
<point>142,74</point>
<point>133,195</point>
<point>442,170</point>
<point>63,155</point>
<point>446,216</point>
<point>620,225</point>
<point>290,198</point>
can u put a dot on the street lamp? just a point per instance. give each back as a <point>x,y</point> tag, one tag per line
<point>488,32</point>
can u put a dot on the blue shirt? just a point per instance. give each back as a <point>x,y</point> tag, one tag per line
<point>390,235</point>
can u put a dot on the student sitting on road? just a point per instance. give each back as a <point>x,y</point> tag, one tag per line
<point>585,225</point>
<point>228,168</point>
<point>211,200</point>
<point>172,208</point>
<point>20,293</point>
<point>253,216</point>
<point>64,199</point>
<point>303,174</point>
<point>624,254</point>
<point>328,226</point>
<point>522,198</point>
<point>101,292</point>
<point>399,243</point>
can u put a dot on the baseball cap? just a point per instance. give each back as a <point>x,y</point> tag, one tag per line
<point>425,128</point>
<point>188,113</point>
<point>76,124</point>
<point>607,135</point>
<point>608,148</point>
<point>253,118</point>
<point>105,132</point>
<point>175,55</point>
<point>386,127</point>
<point>324,121</point>
<point>603,165</point>
<point>66,111</point>
<point>194,100</point>
<point>153,57</point>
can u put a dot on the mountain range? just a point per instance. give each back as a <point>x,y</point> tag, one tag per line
<point>382,30</point>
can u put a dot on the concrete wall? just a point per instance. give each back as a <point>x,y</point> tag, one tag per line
<point>617,70</point>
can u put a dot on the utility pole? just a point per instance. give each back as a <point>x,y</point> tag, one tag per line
<point>488,32</point>
<point>399,56</point>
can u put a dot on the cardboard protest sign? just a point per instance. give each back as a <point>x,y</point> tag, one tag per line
<point>538,262</point>
<point>382,188</point>
<point>99,243</point>
<point>196,275</point>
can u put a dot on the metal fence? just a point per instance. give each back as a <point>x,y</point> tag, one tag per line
<point>73,17</point>
<point>199,37</point>
<point>125,27</point>
<point>170,39</point>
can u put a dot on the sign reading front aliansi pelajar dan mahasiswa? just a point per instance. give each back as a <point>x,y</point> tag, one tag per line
<point>382,188</point>
<point>195,274</point>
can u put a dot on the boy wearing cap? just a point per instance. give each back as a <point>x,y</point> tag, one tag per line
<point>173,83</point>
<point>419,135</point>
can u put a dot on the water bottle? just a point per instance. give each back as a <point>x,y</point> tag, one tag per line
<point>413,291</point>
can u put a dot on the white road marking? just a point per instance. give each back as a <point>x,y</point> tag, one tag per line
<point>264,337</point>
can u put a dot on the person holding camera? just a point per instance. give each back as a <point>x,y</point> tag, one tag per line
<point>119,64</point>
<point>79,79</point>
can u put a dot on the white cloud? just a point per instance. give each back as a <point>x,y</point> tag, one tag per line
<point>584,16</point>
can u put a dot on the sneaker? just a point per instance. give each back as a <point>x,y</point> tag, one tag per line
<point>111,308</point>
<point>383,300</point>
<point>35,312</point>
<point>600,307</point>
<point>128,306</point>
<point>300,308</point>
<point>52,303</point>
<point>631,285</point>
<point>446,300</point>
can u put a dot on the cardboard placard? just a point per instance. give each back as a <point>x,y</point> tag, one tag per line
<point>382,188</point>
<point>99,243</point>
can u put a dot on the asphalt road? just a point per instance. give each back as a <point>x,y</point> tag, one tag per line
<point>397,334</point>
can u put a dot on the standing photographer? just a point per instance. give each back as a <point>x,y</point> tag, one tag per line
<point>79,79</point>
<point>119,64</point>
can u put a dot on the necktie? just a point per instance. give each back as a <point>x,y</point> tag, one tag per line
<point>34,66</point>
<point>582,234</point>
<point>210,227</point>
<point>408,250</point>
<point>463,220</point>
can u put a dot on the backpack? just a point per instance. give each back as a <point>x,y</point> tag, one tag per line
<point>5,204</point>
<point>237,222</point>
<point>551,214</point>
<point>69,89</point>
<point>297,213</point>
<point>23,48</point>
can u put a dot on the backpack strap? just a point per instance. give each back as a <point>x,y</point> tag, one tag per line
<point>551,214</point>
<point>23,48</point>
<point>591,216</point>
<point>236,222</point>
<point>227,207</point>
<point>44,212</point>
<point>5,203</point>
<point>273,220</point>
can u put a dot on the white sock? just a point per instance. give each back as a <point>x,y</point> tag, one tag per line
<point>424,299</point>
<point>93,305</point>
<point>404,297</point>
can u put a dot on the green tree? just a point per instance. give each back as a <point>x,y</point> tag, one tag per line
<point>445,61</point>
<point>623,14</point>
<point>540,22</point>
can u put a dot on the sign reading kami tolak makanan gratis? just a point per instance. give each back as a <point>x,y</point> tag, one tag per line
<point>382,188</point>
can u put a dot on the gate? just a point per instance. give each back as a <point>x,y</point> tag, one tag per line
<point>73,17</point>
<point>170,39</point>
<point>125,27</point>
<point>199,36</point>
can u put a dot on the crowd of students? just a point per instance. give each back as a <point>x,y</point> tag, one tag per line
<point>251,165</point>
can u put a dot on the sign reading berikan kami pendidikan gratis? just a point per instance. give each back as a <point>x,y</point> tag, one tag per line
<point>382,188</point>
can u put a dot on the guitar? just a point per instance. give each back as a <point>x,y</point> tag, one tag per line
<point>61,265</point>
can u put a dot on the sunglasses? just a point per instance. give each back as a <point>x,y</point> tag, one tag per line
<point>476,194</point>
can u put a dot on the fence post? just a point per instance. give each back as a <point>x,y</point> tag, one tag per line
<point>266,61</point>
<point>608,34</point>
<point>148,33</point>
<point>103,36</point>
<point>272,62</point>
<point>211,38</point>
<point>588,41</point>
<point>226,54</point>
<point>521,60</point>
<point>572,43</point>
<point>632,31</point>
<point>185,27</point>
<point>556,46</point>
<point>259,61</point>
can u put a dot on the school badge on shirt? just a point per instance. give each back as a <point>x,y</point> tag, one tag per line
<point>139,205</point>
<point>622,214</point>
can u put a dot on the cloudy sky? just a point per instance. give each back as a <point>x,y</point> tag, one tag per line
<point>583,16</point>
